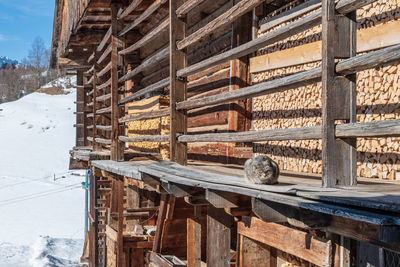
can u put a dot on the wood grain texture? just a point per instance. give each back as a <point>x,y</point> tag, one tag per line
<point>295,242</point>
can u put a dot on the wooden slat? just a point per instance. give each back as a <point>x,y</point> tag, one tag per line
<point>147,63</point>
<point>130,8</point>
<point>344,67</point>
<point>104,110</point>
<point>226,18</point>
<point>103,127</point>
<point>377,37</point>
<point>305,133</point>
<point>103,141</point>
<point>91,57</point>
<point>149,138</point>
<point>150,10</point>
<point>106,38</point>
<point>106,69</point>
<point>146,115</point>
<point>151,88</point>
<point>105,54</point>
<point>292,241</point>
<point>282,33</point>
<point>290,14</point>
<point>103,97</point>
<point>104,85</point>
<point>187,6</point>
<point>387,128</point>
<point>147,38</point>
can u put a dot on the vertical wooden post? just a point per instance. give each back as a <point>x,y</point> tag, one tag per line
<point>94,108</point>
<point>116,147</point>
<point>178,60</point>
<point>93,245</point>
<point>120,228</point>
<point>162,213</point>
<point>218,237</point>
<point>81,105</point>
<point>83,113</point>
<point>338,97</point>
<point>194,238</point>
<point>239,75</point>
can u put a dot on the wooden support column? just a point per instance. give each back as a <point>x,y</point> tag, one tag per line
<point>178,60</point>
<point>338,96</point>
<point>194,238</point>
<point>162,213</point>
<point>80,104</point>
<point>95,117</point>
<point>218,237</point>
<point>239,111</point>
<point>93,244</point>
<point>117,152</point>
<point>120,225</point>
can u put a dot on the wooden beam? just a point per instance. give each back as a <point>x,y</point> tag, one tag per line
<point>221,199</point>
<point>339,156</point>
<point>194,238</point>
<point>226,18</point>
<point>345,67</point>
<point>116,147</point>
<point>147,38</point>
<point>106,38</point>
<point>286,31</point>
<point>132,6</point>
<point>218,237</point>
<point>178,60</point>
<point>143,138</point>
<point>377,37</point>
<point>160,222</point>
<point>146,115</point>
<point>148,89</point>
<point>294,242</point>
<point>150,10</point>
<point>187,6</point>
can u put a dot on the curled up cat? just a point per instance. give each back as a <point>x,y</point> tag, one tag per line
<point>261,170</point>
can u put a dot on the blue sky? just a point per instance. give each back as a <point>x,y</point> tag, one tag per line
<point>20,22</point>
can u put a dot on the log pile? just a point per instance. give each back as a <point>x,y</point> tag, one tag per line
<point>158,126</point>
<point>378,92</point>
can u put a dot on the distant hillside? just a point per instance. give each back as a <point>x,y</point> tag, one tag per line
<point>6,60</point>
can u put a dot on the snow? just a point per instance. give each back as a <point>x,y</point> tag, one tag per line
<point>41,201</point>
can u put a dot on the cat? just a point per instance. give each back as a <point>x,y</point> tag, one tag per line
<point>261,170</point>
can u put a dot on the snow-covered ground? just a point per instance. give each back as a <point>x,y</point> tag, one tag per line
<point>41,201</point>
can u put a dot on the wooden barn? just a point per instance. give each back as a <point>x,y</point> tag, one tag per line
<point>173,96</point>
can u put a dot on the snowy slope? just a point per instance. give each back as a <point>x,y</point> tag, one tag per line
<point>41,202</point>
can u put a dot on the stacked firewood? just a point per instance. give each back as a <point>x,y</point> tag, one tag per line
<point>378,93</point>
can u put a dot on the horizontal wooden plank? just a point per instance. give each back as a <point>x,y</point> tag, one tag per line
<point>147,63</point>
<point>380,36</point>
<point>149,138</point>
<point>298,243</point>
<point>345,67</point>
<point>280,34</point>
<point>103,127</point>
<point>151,88</point>
<point>226,18</point>
<point>104,85</point>
<point>103,42</point>
<point>103,141</point>
<point>387,128</point>
<point>105,54</point>
<point>103,97</point>
<point>132,6</point>
<point>256,136</point>
<point>121,168</point>
<point>106,69</point>
<point>103,110</point>
<point>187,6</point>
<point>150,10</point>
<point>146,115</point>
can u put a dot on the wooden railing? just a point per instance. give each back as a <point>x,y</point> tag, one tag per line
<point>115,86</point>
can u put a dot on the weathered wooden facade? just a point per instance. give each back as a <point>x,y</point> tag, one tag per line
<point>172,98</point>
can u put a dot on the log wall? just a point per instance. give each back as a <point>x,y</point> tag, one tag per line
<point>378,92</point>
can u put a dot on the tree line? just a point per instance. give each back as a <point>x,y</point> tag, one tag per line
<point>17,80</point>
